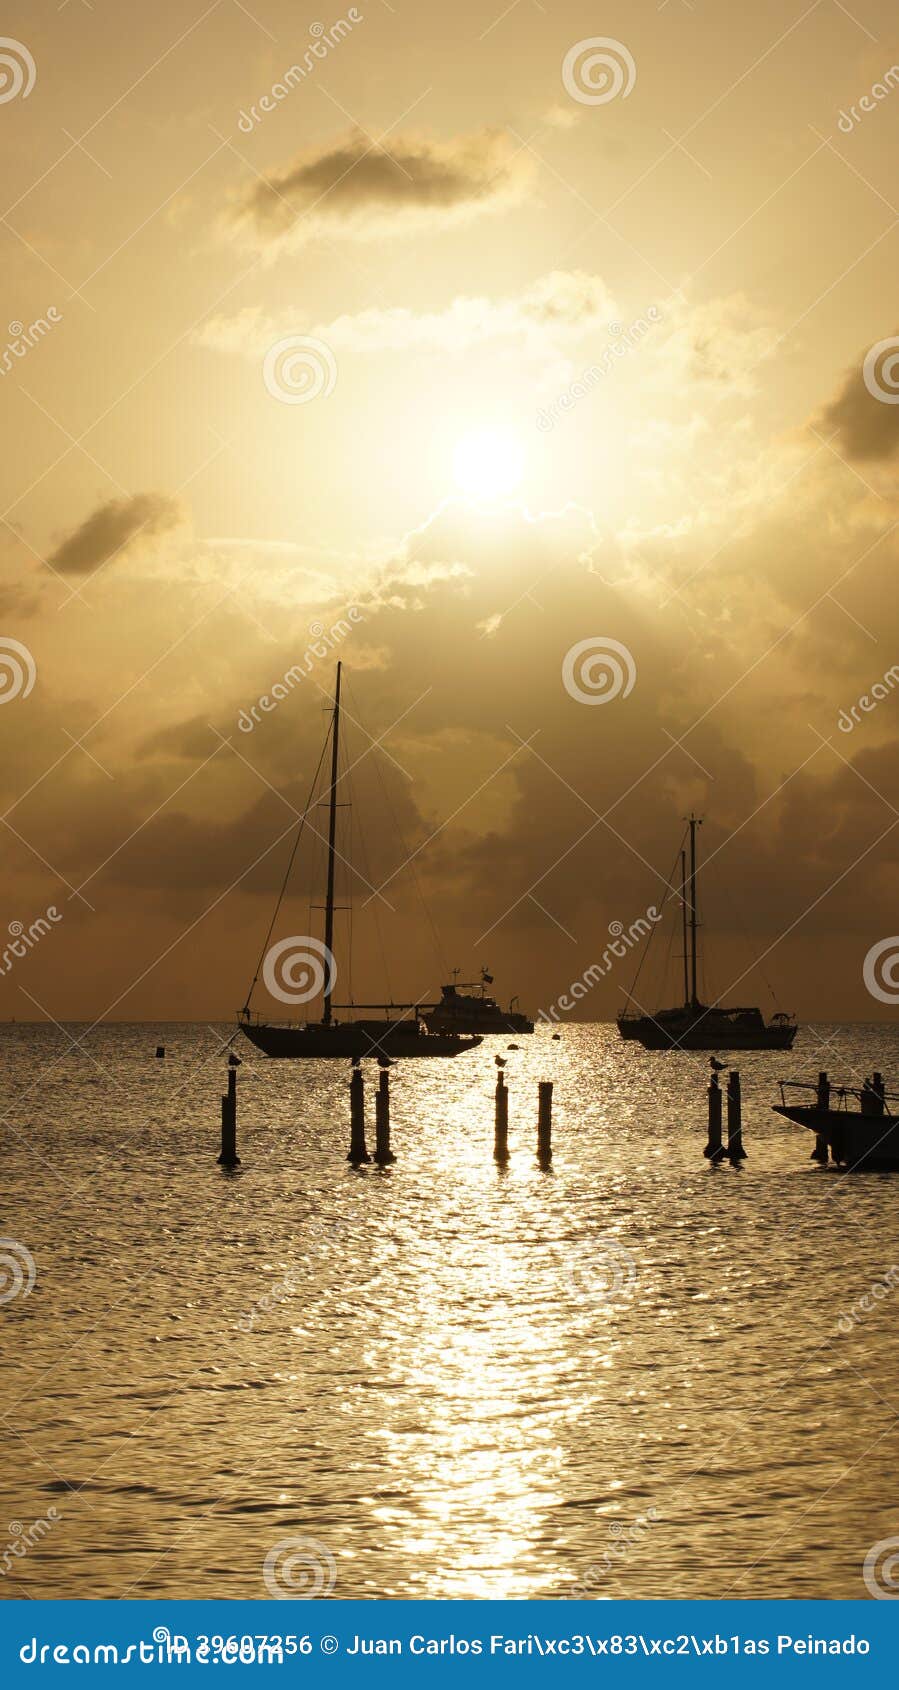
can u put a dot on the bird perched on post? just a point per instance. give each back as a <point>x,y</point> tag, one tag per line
<point>386,1062</point>
<point>500,1061</point>
<point>235,1061</point>
<point>718,1067</point>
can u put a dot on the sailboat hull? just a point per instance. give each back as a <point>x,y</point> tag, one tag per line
<point>708,1029</point>
<point>353,1040</point>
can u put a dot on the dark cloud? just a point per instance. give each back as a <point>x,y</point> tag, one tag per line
<point>360,185</point>
<point>114,528</point>
<point>864,412</point>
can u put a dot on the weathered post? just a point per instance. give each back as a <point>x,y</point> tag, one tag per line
<point>357,1153</point>
<point>545,1123</point>
<point>383,1153</point>
<point>820,1152</point>
<point>229,1157</point>
<point>734,1118</point>
<point>714,1150</point>
<point>501,1133</point>
<point>160,1051</point>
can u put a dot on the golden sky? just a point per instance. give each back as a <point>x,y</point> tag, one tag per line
<point>511,339</point>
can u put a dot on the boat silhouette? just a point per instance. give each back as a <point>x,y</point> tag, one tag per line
<point>476,1012</point>
<point>694,1025</point>
<point>398,1031</point>
<point>857,1127</point>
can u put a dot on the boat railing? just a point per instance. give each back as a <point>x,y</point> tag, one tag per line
<point>252,1018</point>
<point>838,1096</point>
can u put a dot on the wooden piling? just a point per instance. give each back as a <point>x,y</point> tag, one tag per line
<point>357,1153</point>
<point>545,1123</point>
<point>383,1153</point>
<point>734,1118</point>
<point>820,1152</point>
<point>229,1157</point>
<point>501,1133</point>
<point>714,1149</point>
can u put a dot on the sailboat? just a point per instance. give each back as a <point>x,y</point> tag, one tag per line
<point>388,1036</point>
<point>694,1025</point>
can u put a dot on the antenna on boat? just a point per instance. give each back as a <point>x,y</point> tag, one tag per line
<point>695,822</point>
<point>332,852</point>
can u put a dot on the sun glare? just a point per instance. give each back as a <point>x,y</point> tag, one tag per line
<point>488,463</point>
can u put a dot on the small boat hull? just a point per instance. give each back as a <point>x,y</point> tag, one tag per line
<point>353,1039</point>
<point>854,1140</point>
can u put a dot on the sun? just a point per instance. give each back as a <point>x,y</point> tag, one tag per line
<point>489,463</point>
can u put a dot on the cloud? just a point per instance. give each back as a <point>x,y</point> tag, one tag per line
<point>359,188</point>
<point>866,426</point>
<point>557,304</point>
<point>113,529</point>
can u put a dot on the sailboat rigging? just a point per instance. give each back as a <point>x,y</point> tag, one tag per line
<point>694,1025</point>
<point>390,1035</point>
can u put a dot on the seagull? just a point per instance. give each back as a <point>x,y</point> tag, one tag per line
<point>500,1061</point>
<point>386,1062</point>
<point>235,1061</point>
<point>718,1067</point>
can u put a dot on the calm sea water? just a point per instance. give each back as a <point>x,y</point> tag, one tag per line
<point>621,1378</point>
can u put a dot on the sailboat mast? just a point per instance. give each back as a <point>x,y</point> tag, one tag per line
<point>683,911</point>
<point>694,997</point>
<point>332,854</point>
